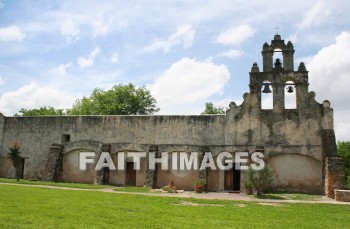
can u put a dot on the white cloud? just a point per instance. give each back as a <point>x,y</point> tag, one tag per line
<point>70,30</point>
<point>317,14</point>
<point>330,78</point>
<point>1,81</point>
<point>100,27</point>
<point>61,69</point>
<point>329,72</point>
<point>184,36</point>
<point>225,102</point>
<point>88,61</point>
<point>93,18</point>
<point>305,59</point>
<point>115,58</point>
<point>232,53</point>
<point>11,33</point>
<point>342,125</point>
<point>187,84</point>
<point>235,35</point>
<point>34,96</point>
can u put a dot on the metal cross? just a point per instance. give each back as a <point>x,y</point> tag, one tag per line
<point>277,28</point>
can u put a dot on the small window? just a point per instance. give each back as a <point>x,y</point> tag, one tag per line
<point>65,138</point>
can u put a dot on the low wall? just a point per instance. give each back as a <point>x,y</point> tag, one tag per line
<point>342,195</point>
<point>335,175</point>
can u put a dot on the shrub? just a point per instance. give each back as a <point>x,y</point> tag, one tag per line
<point>260,179</point>
<point>199,181</point>
<point>167,189</point>
<point>248,187</point>
<point>344,152</point>
<point>14,155</point>
<point>14,152</point>
<point>199,185</point>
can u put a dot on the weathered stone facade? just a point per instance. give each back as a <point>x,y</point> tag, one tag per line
<point>295,142</point>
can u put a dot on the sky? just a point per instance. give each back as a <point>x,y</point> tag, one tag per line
<point>185,52</point>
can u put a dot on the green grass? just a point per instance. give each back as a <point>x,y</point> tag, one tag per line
<point>59,184</point>
<point>133,189</point>
<point>36,207</point>
<point>289,196</point>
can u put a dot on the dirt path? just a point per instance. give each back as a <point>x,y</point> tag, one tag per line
<point>210,195</point>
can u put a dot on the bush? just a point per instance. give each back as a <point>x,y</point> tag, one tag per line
<point>14,152</point>
<point>260,179</point>
<point>167,189</point>
<point>199,185</point>
<point>344,152</point>
<point>199,181</point>
<point>14,155</point>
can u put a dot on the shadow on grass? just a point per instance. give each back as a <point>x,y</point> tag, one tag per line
<point>270,197</point>
<point>133,189</point>
<point>289,196</point>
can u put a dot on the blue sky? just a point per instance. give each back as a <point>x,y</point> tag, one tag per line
<point>185,52</point>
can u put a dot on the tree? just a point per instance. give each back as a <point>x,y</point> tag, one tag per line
<point>120,100</point>
<point>14,155</point>
<point>259,179</point>
<point>42,111</point>
<point>344,152</point>
<point>210,109</point>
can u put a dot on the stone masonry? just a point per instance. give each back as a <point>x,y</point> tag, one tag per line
<point>295,141</point>
<point>335,175</point>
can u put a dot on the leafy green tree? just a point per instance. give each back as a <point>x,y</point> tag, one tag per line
<point>120,100</point>
<point>259,179</point>
<point>344,152</point>
<point>211,109</point>
<point>42,111</point>
<point>14,155</point>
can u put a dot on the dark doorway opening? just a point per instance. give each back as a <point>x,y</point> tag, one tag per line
<point>130,179</point>
<point>20,167</point>
<point>232,179</point>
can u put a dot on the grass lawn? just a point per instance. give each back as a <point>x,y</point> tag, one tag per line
<point>289,196</point>
<point>35,207</point>
<point>59,184</point>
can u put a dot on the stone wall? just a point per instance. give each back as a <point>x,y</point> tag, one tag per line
<point>244,128</point>
<point>342,195</point>
<point>302,137</point>
<point>54,165</point>
<point>335,175</point>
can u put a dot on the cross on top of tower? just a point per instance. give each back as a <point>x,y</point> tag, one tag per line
<point>277,28</point>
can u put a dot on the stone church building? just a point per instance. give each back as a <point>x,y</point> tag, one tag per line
<point>298,142</point>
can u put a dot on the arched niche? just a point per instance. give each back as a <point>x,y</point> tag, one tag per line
<point>266,97</point>
<point>296,173</point>
<point>290,97</point>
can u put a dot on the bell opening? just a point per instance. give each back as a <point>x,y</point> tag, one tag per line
<point>290,101</point>
<point>266,95</point>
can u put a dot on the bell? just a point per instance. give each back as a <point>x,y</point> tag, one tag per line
<point>278,63</point>
<point>290,89</point>
<point>266,88</point>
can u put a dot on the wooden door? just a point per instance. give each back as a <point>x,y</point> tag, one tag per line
<point>228,180</point>
<point>130,174</point>
<point>232,179</point>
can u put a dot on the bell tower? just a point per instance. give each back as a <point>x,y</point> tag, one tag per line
<point>278,76</point>
<point>278,45</point>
